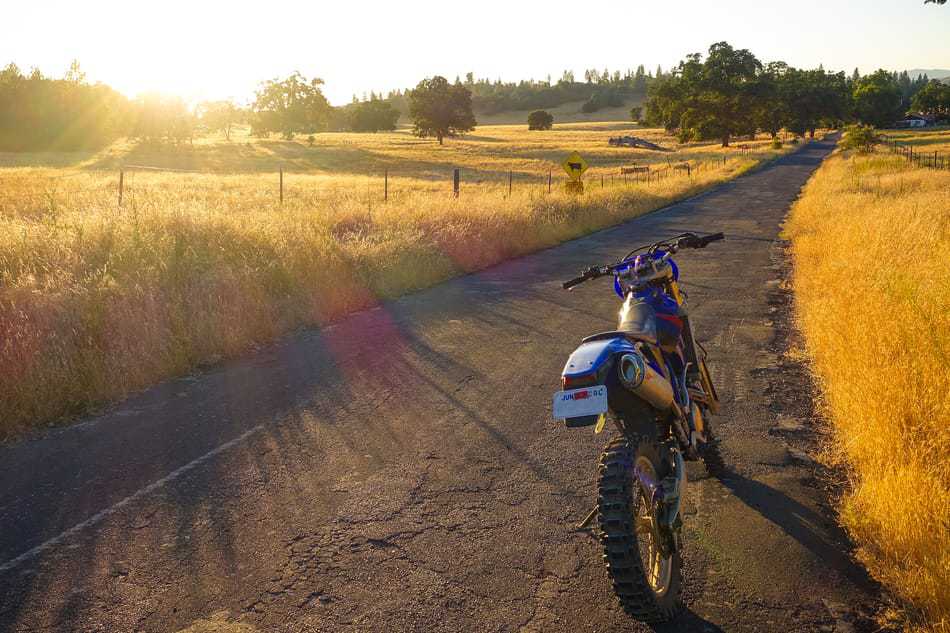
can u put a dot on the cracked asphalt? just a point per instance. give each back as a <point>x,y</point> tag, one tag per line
<point>400,471</point>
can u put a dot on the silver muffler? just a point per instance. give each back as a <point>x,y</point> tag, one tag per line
<point>644,381</point>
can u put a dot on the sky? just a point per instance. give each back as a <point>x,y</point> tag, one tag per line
<point>202,49</point>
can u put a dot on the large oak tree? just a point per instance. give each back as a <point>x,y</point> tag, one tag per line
<point>438,108</point>
<point>708,99</point>
<point>290,106</point>
<point>877,99</point>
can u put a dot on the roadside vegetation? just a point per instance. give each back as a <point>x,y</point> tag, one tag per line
<point>871,245</point>
<point>731,93</point>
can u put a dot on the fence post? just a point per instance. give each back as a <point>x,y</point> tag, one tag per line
<point>549,181</point>
<point>282,185</point>
<point>385,185</point>
<point>509,183</point>
<point>689,171</point>
<point>456,178</point>
<point>121,184</point>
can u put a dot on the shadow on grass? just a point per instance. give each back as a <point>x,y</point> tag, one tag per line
<point>56,160</point>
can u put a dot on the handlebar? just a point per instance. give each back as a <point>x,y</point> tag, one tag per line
<point>591,273</point>
<point>567,285</point>
<point>684,240</point>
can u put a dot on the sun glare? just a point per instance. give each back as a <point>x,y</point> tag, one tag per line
<point>206,50</point>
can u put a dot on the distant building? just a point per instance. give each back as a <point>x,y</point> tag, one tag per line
<point>915,120</point>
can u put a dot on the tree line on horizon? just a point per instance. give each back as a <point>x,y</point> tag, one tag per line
<point>729,93</point>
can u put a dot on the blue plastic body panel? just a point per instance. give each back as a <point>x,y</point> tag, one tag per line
<point>590,356</point>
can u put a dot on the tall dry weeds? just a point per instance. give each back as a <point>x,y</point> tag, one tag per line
<point>871,244</point>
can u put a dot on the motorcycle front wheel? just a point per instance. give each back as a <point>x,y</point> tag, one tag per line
<point>646,581</point>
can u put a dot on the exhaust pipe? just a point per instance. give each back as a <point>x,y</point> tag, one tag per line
<point>644,381</point>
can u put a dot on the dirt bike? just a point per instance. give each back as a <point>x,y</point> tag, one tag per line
<point>649,378</point>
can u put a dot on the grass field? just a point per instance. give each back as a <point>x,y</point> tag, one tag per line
<point>98,300</point>
<point>871,244</point>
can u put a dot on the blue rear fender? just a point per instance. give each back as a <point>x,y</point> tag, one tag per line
<point>592,356</point>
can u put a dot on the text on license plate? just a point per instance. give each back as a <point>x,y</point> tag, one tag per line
<point>575,403</point>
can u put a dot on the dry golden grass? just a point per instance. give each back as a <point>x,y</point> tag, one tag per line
<point>97,301</point>
<point>871,244</point>
<point>924,140</point>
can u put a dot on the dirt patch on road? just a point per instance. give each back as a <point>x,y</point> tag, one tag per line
<point>219,623</point>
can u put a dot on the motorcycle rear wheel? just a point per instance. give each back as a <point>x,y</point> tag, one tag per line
<point>647,583</point>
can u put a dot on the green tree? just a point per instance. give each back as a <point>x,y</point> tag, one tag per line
<point>42,113</point>
<point>159,118</point>
<point>860,137</point>
<point>636,113</point>
<point>771,111</point>
<point>603,97</point>
<point>219,116</point>
<point>667,96</point>
<point>877,99</point>
<point>290,106</point>
<point>708,99</point>
<point>933,99</point>
<point>814,98</point>
<point>540,120</point>
<point>438,108</point>
<point>640,80</point>
<point>730,93</point>
<point>372,116</point>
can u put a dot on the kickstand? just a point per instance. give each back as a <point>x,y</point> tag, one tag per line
<point>585,524</point>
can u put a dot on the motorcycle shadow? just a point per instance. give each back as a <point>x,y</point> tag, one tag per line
<point>687,621</point>
<point>818,534</point>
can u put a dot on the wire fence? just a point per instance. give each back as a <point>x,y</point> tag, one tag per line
<point>929,160</point>
<point>53,190</point>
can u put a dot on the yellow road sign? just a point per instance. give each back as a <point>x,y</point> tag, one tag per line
<point>575,166</point>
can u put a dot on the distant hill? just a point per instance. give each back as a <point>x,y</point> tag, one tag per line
<point>933,73</point>
<point>565,113</point>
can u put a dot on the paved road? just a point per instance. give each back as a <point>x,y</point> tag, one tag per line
<point>400,471</point>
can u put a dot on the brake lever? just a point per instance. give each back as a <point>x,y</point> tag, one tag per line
<point>592,272</point>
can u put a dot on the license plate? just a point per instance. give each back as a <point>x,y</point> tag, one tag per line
<point>575,403</point>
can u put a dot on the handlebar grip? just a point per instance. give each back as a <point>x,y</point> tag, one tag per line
<point>567,285</point>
